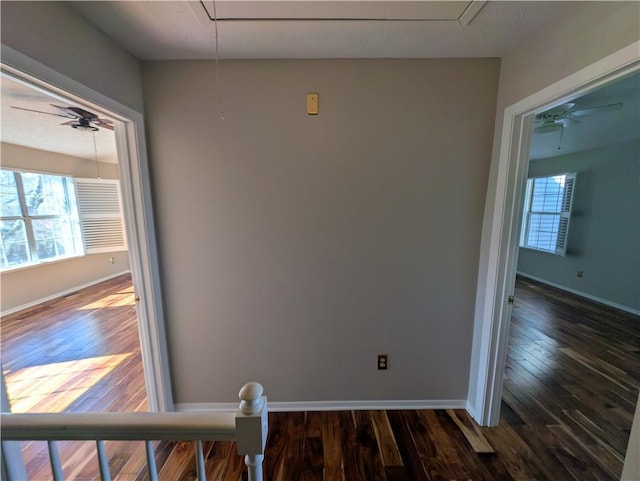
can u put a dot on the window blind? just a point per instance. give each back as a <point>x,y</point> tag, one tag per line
<point>101,218</point>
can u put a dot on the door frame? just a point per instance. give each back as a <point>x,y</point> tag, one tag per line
<point>497,273</point>
<point>135,185</point>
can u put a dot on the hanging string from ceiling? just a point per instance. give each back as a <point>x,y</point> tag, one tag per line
<point>215,27</point>
<point>95,153</point>
<point>561,136</point>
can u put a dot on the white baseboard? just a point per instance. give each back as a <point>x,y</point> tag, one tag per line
<point>297,406</point>
<point>61,294</point>
<point>600,300</point>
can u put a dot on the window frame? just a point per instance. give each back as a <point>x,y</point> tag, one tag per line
<point>564,213</point>
<point>27,219</point>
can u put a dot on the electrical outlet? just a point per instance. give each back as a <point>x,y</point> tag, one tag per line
<point>580,273</point>
<point>112,260</point>
<point>383,362</point>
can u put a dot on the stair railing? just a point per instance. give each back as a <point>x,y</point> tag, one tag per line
<point>248,427</point>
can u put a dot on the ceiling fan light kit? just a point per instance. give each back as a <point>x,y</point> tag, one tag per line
<point>548,128</point>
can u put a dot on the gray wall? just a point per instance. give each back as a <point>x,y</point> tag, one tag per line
<point>604,234</point>
<point>57,36</point>
<point>590,32</point>
<point>27,285</point>
<point>295,248</point>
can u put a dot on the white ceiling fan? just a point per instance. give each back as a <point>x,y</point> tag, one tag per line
<point>565,116</point>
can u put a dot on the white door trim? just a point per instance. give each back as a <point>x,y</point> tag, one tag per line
<point>498,268</point>
<point>136,192</point>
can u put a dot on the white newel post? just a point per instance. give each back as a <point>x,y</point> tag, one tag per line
<point>251,428</point>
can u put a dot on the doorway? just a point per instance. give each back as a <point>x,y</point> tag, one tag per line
<point>575,309</point>
<point>134,178</point>
<point>498,265</point>
<point>65,265</point>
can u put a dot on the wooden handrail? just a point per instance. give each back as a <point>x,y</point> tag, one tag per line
<point>118,426</point>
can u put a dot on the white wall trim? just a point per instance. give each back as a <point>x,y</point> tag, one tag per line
<point>471,409</point>
<point>298,406</point>
<point>57,295</point>
<point>133,172</point>
<point>586,295</point>
<point>498,265</point>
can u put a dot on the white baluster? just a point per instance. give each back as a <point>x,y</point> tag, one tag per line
<point>254,466</point>
<point>251,428</point>
<point>202,474</point>
<point>54,457</point>
<point>103,462</point>
<point>151,461</point>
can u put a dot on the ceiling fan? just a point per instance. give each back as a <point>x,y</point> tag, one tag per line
<point>82,119</point>
<point>565,116</point>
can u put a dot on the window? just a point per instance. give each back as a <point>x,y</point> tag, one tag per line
<point>47,217</point>
<point>39,219</point>
<point>547,210</point>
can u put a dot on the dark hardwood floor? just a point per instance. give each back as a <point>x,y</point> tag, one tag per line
<point>572,378</point>
<point>571,381</point>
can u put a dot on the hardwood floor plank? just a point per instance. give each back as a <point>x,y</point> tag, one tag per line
<point>181,459</point>
<point>519,459</point>
<point>313,455</point>
<point>236,469</point>
<point>371,465</point>
<point>599,450</point>
<point>396,473</point>
<point>332,447</point>
<point>474,465</point>
<point>601,368</point>
<point>542,444</point>
<point>294,449</point>
<point>216,462</point>
<point>386,441</point>
<point>574,459</point>
<point>351,462</point>
<point>276,445</point>
<point>446,451</point>
<point>475,437</point>
<point>408,451</point>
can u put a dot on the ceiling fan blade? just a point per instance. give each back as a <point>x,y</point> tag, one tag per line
<point>41,112</point>
<point>70,113</point>
<point>598,109</point>
<point>104,123</point>
<point>568,122</point>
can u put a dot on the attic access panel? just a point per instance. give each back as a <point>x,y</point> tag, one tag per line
<point>456,11</point>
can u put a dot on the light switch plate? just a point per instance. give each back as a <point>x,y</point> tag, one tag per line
<point>312,103</point>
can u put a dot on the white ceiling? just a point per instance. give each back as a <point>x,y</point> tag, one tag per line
<point>600,128</point>
<point>316,29</point>
<point>44,132</point>
<point>163,30</point>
